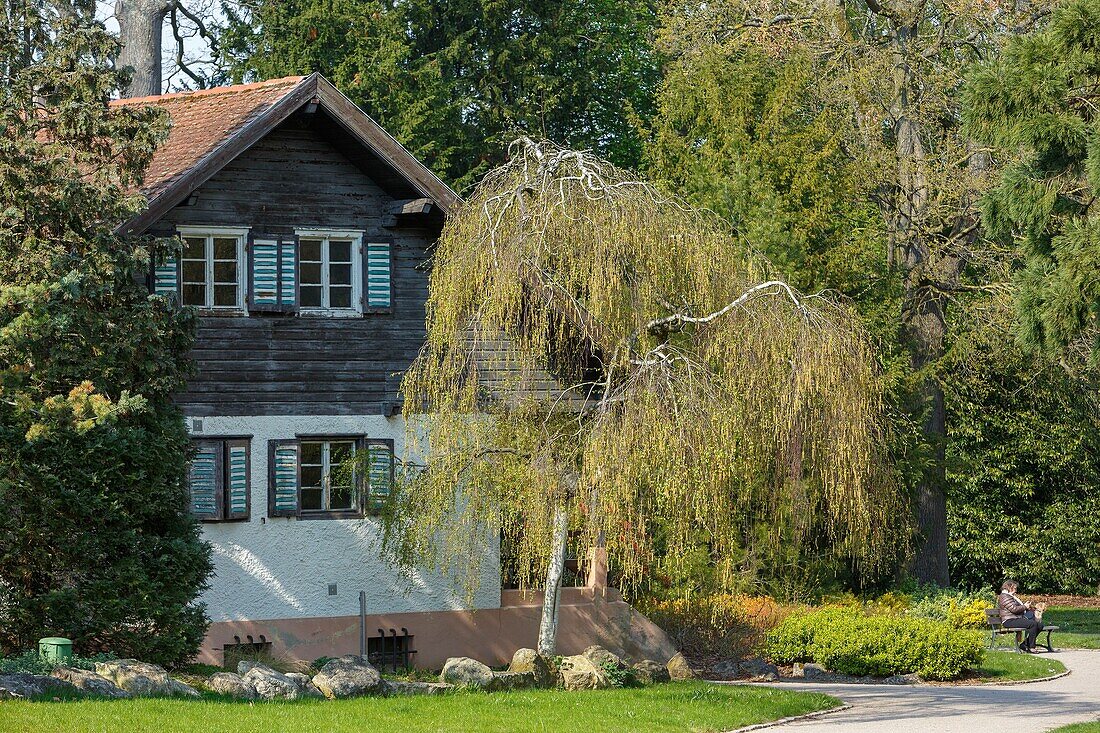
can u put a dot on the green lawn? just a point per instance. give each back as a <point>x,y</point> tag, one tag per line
<point>1011,667</point>
<point>1078,728</point>
<point>693,707</point>
<point>1080,627</point>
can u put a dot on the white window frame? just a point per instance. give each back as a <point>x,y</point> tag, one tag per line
<point>326,475</point>
<point>356,237</point>
<point>209,233</point>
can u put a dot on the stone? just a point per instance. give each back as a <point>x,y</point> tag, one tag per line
<point>143,679</point>
<point>902,679</point>
<point>603,658</point>
<point>679,669</point>
<point>466,672</point>
<point>21,685</point>
<point>649,672</point>
<point>758,670</point>
<point>503,681</point>
<point>528,660</point>
<point>305,684</point>
<point>416,688</point>
<point>348,676</point>
<point>232,685</point>
<point>579,673</point>
<point>271,684</point>
<point>812,671</point>
<point>90,682</point>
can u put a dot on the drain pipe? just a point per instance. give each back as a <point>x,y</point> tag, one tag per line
<point>362,623</point>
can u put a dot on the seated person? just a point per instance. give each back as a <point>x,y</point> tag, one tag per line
<point>1015,614</point>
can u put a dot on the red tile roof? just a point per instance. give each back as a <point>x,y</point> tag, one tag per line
<point>201,121</point>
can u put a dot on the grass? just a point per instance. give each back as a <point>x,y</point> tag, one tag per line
<point>1013,667</point>
<point>1078,728</point>
<point>694,707</point>
<point>1080,627</point>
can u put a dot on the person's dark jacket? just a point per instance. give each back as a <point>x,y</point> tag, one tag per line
<point>1009,607</point>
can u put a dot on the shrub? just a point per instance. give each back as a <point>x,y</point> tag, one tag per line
<point>33,663</point>
<point>960,609</point>
<point>728,625</point>
<point>851,642</point>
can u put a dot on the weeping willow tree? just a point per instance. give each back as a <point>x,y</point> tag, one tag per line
<point>601,357</point>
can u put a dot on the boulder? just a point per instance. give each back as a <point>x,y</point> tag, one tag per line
<point>758,670</point>
<point>90,682</point>
<point>902,679</point>
<point>603,658</point>
<point>416,688</point>
<point>270,684</point>
<point>348,676</point>
<point>528,660</point>
<point>809,671</point>
<point>727,669</point>
<point>16,686</point>
<point>579,673</point>
<point>649,672</point>
<point>305,685</point>
<point>679,669</point>
<point>503,681</point>
<point>233,685</point>
<point>466,672</point>
<point>143,679</point>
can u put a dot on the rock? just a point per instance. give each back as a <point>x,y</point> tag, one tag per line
<point>143,679</point>
<point>679,669</point>
<point>466,672</point>
<point>90,682</point>
<point>758,670</point>
<point>579,673</point>
<point>902,679</point>
<point>348,676</point>
<point>727,669</point>
<point>305,684</point>
<point>503,681</point>
<point>528,660</point>
<point>18,686</point>
<point>233,685</point>
<point>244,665</point>
<point>271,684</point>
<point>603,658</point>
<point>649,672</point>
<point>416,688</point>
<point>812,671</point>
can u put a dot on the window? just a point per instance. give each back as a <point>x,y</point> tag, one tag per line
<point>212,271</point>
<point>328,485</point>
<point>218,479</point>
<point>329,271</point>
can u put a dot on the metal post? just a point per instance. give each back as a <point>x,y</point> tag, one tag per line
<point>362,623</point>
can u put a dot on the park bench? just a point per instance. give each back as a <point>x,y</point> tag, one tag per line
<point>996,630</point>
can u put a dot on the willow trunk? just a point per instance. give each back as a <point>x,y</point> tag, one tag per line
<point>551,602</point>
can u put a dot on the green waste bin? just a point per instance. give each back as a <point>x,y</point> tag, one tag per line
<point>55,649</point>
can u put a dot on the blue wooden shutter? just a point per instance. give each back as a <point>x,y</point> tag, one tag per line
<point>379,475</point>
<point>166,277</point>
<point>238,484</point>
<point>264,276</point>
<point>204,481</point>
<point>288,274</point>
<point>283,496</point>
<point>378,280</point>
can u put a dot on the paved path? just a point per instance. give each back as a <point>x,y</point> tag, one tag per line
<point>1031,708</point>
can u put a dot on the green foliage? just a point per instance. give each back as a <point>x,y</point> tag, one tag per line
<point>619,676</point>
<point>732,626</point>
<point>455,81</point>
<point>95,541</point>
<point>959,609</point>
<point>849,642</point>
<point>33,663</point>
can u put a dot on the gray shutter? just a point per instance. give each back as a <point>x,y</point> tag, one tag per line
<point>204,481</point>
<point>377,275</point>
<point>263,254</point>
<point>379,474</point>
<point>288,274</point>
<point>238,480</point>
<point>284,495</point>
<point>166,277</point>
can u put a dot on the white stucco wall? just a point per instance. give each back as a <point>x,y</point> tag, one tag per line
<point>275,568</point>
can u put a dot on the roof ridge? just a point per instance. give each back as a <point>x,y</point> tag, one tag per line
<point>230,89</point>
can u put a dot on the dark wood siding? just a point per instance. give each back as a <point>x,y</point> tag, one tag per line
<point>300,176</point>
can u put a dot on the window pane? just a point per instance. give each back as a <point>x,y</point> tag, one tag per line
<point>194,295</point>
<point>194,271</point>
<point>340,451</point>
<point>225,249</point>
<point>225,272</point>
<point>340,497</point>
<point>339,297</point>
<point>339,251</point>
<point>225,295</point>
<point>311,476</point>
<point>311,296</point>
<point>194,248</point>
<point>310,273</point>
<point>339,274</point>
<point>311,500</point>
<point>309,249</point>
<point>311,454</point>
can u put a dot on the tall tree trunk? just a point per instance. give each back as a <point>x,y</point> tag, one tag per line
<point>140,24</point>
<point>548,626</point>
<point>922,315</point>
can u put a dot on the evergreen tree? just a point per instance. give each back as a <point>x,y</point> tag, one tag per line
<point>1036,101</point>
<point>95,541</point>
<point>455,81</point>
